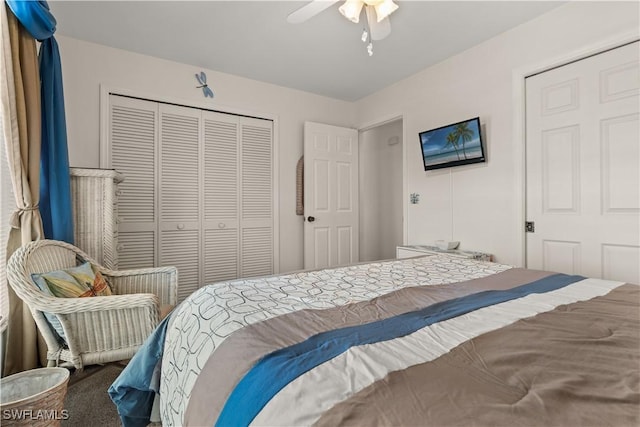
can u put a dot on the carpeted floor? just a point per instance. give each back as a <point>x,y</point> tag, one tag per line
<point>87,400</point>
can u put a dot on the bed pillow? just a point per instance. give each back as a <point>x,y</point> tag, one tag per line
<point>75,282</point>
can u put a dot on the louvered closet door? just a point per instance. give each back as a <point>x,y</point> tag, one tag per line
<point>220,138</point>
<point>256,221</point>
<point>133,133</point>
<point>180,168</point>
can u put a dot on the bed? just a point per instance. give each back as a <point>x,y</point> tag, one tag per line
<point>432,340</point>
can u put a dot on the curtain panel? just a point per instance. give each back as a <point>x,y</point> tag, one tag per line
<point>55,182</point>
<point>20,113</point>
<point>36,141</point>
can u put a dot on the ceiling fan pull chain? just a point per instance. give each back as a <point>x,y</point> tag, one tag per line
<point>370,14</point>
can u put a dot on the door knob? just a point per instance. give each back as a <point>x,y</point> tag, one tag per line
<point>311,218</point>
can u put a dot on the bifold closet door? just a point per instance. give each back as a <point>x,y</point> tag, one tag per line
<point>198,191</point>
<point>238,211</point>
<point>133,132</point>
<point>256,207</point>
<point>221,177</point>
<point>180,189</point>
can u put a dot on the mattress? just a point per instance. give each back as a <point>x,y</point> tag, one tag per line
<point>434,340</point>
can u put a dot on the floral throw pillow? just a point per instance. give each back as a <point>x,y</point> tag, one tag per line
<point>76,282</point>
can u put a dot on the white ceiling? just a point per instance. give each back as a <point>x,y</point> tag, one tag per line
<point>323,55</point>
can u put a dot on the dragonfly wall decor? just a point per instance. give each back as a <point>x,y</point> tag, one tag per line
<point>202,79</point>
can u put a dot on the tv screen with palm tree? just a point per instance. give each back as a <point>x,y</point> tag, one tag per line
<point>452,145</point>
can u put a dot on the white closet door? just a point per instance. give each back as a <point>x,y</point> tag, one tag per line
<point>179,190</point>
<point>220,138</point>
<point>133,133</point>
<point>583,169</point>
<point>198,191</point>
<point>256,222</point>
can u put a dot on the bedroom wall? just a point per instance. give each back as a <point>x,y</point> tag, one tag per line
<point>87,65</point>
<point>480,205</point>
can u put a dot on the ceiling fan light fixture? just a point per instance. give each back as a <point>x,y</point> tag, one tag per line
<point>384,9</point>
<point>351,10</point>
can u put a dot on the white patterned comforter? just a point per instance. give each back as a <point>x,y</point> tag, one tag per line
<point>212,313</point>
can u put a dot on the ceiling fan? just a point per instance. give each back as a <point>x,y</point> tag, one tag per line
<point>377,12</point>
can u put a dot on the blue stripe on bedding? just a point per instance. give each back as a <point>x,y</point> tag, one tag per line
<point>277,369</point>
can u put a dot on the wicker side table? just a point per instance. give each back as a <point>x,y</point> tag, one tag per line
<point>34,398</point>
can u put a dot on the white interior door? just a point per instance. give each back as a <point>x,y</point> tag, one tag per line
<point>221,196</point>
<point>256,201</point>
<point>180,194</point>
<point>331,195</point>
<point>583,161</point>
<point>133,130</point>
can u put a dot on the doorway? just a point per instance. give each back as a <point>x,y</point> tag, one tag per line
<point>381,190</point>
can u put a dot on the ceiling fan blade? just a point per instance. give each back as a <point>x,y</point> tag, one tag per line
<point>379,30</point>
<point>309,10</point>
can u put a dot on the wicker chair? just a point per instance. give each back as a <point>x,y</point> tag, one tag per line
<point>98,329</point>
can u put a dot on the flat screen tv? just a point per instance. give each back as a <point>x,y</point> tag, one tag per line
<point>452,145</point>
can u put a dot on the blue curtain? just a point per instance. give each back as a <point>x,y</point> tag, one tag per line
<point>55,184</point>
